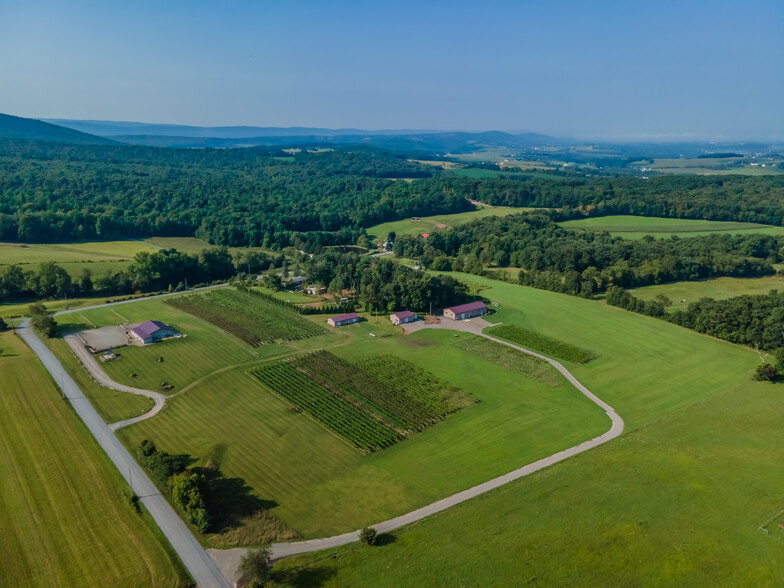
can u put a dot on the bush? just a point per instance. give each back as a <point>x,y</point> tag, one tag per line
<point>255,566</point>
<point>765,372</point>
<point>368,536</point>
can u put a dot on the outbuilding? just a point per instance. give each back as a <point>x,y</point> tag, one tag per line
<point>402,317</point>
<point>465,311</point>
<point>152,331</point>
<point>343,319</point>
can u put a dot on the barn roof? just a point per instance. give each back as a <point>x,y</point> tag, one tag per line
<point>344,317</point>
<point>147,328</point>
<point>468,307</point>
<point>404,314</point>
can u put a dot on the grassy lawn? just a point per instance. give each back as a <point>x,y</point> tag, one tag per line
<point>677,500</point>
<point>676,503</point>
<point>203,350</point>
<point>428,224</point>
<point>322,485</point>
<point>635,227</point>
<point>718,288</point>
<point>17,309</point>
<point>64,516</point>
<point>24,253</point>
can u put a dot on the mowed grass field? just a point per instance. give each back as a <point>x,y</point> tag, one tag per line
<point>65,518</point>
<point>711,166</point>
<point>322,485</point>
<point>635,227</point>
<point>428,224</point>
<point>201,351</point>
<point>717,288</point>
<point>675,501</point>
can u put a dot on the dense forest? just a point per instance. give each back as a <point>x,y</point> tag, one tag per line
<point>263,196</point>
<point>582,262</point>
<point>54,192</point>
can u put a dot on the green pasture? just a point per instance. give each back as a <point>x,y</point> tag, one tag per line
<point>29,253</point>
<point>675,503</point>
<point>717,288</point>
<point>428,224</point>
<point>711,166</point>
<point>65,517</point>
<point>17,309</point>
<point>321,485</point>
<point>201,351</point>
<point>635,227</point>
<point>674,500</point>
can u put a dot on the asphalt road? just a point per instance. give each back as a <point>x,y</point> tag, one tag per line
<point>193,556</point>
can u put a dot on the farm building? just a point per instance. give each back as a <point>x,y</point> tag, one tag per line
<point>404,316</point>
<point>343,319</point>
<point>465,311</point>
<point>152,331</point>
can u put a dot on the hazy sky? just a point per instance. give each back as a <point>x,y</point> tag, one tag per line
<point>595,69</point>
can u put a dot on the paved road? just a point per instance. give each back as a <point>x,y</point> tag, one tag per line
<point>111,304</point>
<point>195,559</point>
<point>96,371</point>
<point>228,559</point>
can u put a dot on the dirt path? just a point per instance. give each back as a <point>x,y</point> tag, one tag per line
<point>100,376</point>
<point>227,560</point>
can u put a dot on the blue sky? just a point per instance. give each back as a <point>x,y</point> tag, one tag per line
<point>619,70</point>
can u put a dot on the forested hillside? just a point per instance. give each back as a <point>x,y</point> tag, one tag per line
<point>53,192</point>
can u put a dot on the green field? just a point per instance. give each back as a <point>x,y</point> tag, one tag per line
<point>428,224</point>
<point>321,484</point>
<point>635,227</point>
<point>674,500</point>
<point>65,518</point>
<point>711,166</point>
<point>717,288</point>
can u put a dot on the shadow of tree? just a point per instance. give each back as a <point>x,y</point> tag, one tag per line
<point>312,576</point>
<point>385,539</point>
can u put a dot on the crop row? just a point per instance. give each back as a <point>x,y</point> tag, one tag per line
<point>401,393</point>
<point>542,343</point>
<point>251,319</point>
<point>347,420</point>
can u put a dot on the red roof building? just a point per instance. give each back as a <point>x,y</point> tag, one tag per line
<point>465,311</point>
<point>343,319</point>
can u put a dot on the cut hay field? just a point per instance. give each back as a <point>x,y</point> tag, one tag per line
<point>717,288</point>
<point>321,484</point>
<point>676,500</point>
<point>713,166</point>
<point>65,518</point>
<point>428,224</point>
<point>635,227</point>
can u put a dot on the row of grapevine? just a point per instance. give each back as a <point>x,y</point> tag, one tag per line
<point>248,318</point>
<point>350,422</point>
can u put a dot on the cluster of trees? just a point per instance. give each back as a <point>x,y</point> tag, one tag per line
<point>758,199</point>
<point>149,271</point>
<point>41,319</point>
<point>754,320</point>
<point>381,284</point>
<point>53,192</point>
<point>583,262</point>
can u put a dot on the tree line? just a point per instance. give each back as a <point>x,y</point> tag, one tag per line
<point>584,262</point>
<point>149,271</point>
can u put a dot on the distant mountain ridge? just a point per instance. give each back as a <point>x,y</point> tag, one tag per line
<point>16,127</point>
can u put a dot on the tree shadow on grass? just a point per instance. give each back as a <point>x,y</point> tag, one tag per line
<point>384,539</point>
<point>230,500</point>
<point>312,576</point>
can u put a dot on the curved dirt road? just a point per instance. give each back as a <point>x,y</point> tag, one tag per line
<point>228,560</point>
<point>97,373</point>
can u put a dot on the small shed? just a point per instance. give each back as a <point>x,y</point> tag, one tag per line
<point>402,317</point>
<point>465,311</point>
<point>152,331</point>
<point>343,319</point>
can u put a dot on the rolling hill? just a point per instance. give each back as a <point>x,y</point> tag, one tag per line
<point>16,127</point>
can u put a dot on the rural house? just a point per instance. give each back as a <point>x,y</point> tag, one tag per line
<point>465,311</point>
<point>404,316</point>
<point>343,319</point>
<point>152,331</point>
